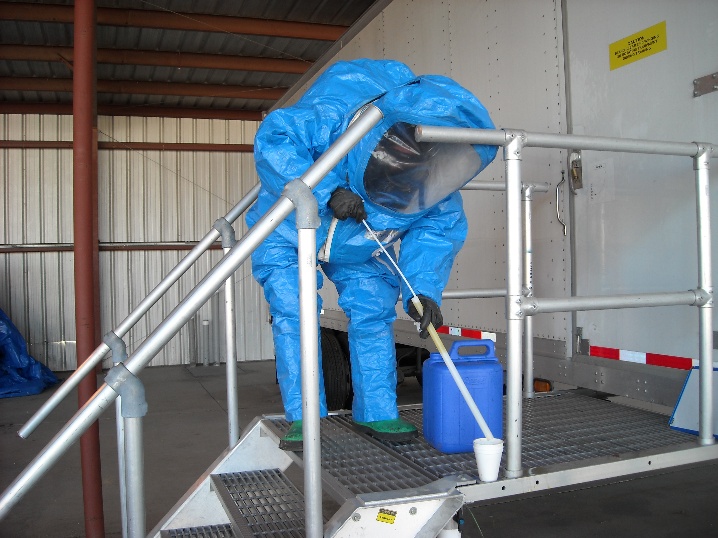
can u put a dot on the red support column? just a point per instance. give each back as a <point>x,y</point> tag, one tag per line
<point>84,108</point>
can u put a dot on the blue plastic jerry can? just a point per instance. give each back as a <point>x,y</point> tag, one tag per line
<point>449,425</point>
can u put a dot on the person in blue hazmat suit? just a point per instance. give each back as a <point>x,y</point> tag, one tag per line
<point>406,191</point>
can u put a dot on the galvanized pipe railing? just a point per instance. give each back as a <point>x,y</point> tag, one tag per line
<point>474,294</point>
<point>701,165</point>
<point>528,365</point>
<point>89,365</point>
<point>528,189</point>
<point>225,229</point>
<point>514,286</point>
<point>307,220</point>
<point>164,332</point>
<point>513,143</point>
<point>532,306</point>
<point>495,137</point>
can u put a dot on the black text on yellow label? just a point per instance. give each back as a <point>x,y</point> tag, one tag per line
<point>386,516</point>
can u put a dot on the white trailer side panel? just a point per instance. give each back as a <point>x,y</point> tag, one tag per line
<point>635,221</point>
<point>512,60</point>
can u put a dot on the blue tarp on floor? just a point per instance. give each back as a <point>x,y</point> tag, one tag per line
<point>20,374</point>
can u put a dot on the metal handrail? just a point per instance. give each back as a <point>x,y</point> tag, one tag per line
<point>527,197</point>
<point>131,320</point>
<point>518,307</point>
<point>166,330</point>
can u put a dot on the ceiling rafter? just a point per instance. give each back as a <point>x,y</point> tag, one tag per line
<point>136,87</point>
<point>159,59</point>
<point>139,18</point>
<point>173,63</point>
<point>65,109</point>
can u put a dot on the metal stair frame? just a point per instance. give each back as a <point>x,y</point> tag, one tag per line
<point>422,512</point>
<point>258,449</point>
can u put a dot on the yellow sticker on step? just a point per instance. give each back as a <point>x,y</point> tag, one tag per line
<point>638,46</point>
<point>386,516</point>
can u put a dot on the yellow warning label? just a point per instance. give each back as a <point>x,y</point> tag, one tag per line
<point>386,516</point>
<point>638,46</point>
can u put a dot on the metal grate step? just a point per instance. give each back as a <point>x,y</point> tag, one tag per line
<point>359,463</point>
<point>210,531</point>
<point>261,503</point>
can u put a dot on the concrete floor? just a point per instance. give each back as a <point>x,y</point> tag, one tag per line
<point>186,429</point>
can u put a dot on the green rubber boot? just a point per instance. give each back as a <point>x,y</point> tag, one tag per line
<point>293,440</point>
<point>389,430</point>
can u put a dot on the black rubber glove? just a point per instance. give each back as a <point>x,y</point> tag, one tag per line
<point>432,315</point>
<point>345,204</point>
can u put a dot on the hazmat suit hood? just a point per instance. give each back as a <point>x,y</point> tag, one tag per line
<point>348,86</point>
<point>401,176</point>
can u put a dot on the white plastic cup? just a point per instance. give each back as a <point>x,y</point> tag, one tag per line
<point>488,458</point>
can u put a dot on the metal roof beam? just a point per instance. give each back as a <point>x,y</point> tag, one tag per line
<point>137,87</point>
<point>185,60</point>
<point>135,110</point>
<point>166,20</point>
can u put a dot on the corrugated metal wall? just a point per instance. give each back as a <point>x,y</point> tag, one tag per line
<point>144,196</point>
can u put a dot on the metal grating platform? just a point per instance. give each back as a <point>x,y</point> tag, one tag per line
<point>361,464</point>
<point>558,428</point>
<point>210,531</point>
<point>421,453</point>
<point>262,503</point>
<point>569,427</point>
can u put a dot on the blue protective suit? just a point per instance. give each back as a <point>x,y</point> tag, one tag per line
<point>431,229</point>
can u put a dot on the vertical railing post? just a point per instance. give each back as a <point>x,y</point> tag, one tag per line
<point>514,315</point>
<point>131,393</point>
<point>230,327</point>
<point>526,200</point>
<point>205,337</point>
<point>701,165</point>
<point>119,355</point>
<point>307,219</point>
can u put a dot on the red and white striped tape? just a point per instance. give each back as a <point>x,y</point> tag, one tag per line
<point>466,333</point>
<point>656,359</point>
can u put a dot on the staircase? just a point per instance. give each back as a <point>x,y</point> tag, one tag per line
<point>254,489</point>
<point>379,488</point>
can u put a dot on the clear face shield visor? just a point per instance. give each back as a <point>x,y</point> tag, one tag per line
<point>407,176</point>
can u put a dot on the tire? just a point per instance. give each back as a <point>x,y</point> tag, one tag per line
<point>337,373</point>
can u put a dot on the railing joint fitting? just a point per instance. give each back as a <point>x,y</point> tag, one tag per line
<point>515,141</point>
<point>515,306</point>
<point>117,347</point>
<point>305,203</point>
<point>702,157</point>
<point>130,389</point>
<point>226,232</point>
<point>704,298</point>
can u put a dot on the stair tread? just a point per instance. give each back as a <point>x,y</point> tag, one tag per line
<point>207,531</point>
<point>262,503</point>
